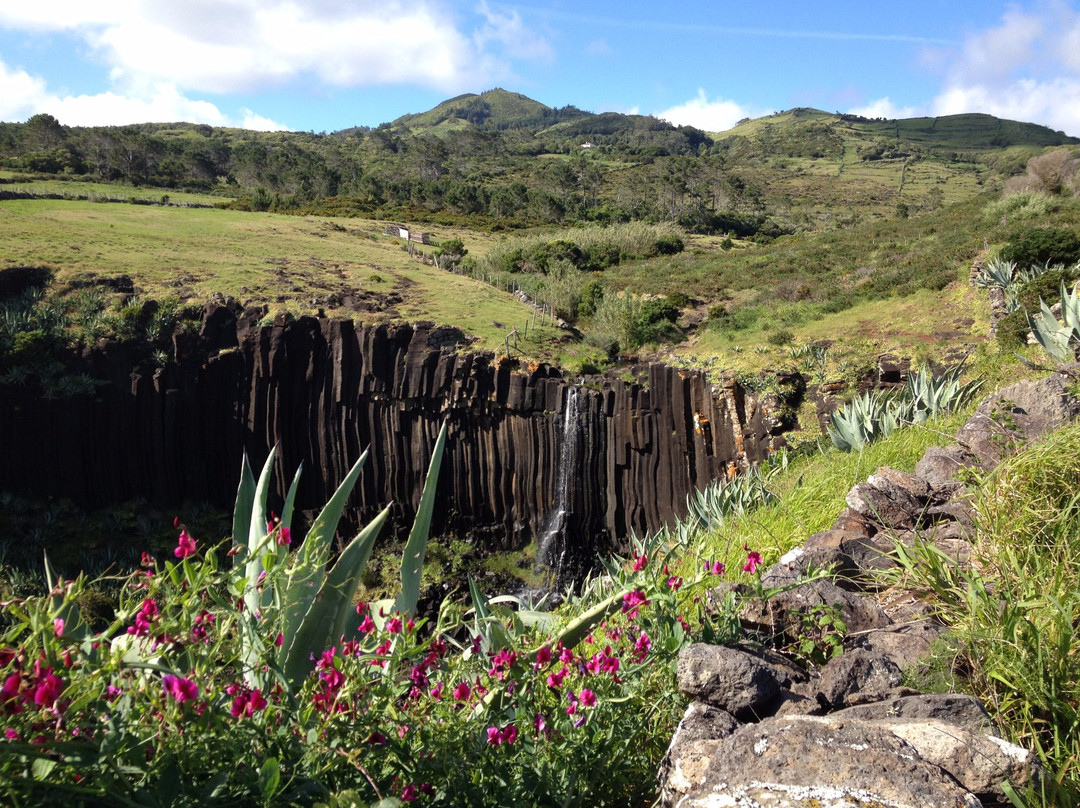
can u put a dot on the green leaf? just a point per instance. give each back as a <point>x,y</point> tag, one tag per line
<point>245,496</point>
<point>257,535</point>
<point>269,779</point>
<point>327,615</point>
<point>412,560</point>
<point>308,572</point>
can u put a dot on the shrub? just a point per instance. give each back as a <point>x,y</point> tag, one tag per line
<point>1044,245</point>
<point>780,338</point>
<point>669,245</point>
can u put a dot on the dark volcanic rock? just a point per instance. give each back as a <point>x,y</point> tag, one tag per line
<point>324,390</point>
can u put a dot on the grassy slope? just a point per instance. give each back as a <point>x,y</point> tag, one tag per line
<point>285,262</point>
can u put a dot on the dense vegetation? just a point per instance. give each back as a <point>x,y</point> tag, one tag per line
<point>500,159</point>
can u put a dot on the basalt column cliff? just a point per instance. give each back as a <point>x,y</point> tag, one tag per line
<point>324,390</point>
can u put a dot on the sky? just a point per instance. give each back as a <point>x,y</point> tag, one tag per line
<point>326,65</point>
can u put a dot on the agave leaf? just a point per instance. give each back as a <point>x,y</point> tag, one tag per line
<point>290,498</point>
<point>306,576</point>
<point>412,560</point>
<point>245,497</point>
<point>324,622</point>
<point>253,599</point>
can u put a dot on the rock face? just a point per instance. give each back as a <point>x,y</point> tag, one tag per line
<point>324,390</point>
<point>850,733</point>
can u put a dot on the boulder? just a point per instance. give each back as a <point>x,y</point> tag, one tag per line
<point>819,761</point>
<point>730,679</point>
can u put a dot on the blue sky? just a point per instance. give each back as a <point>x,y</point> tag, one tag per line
<point>324,65</point>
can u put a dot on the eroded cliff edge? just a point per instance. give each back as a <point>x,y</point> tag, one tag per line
<point>324,390</point>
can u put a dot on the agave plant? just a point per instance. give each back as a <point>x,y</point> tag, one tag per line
<point>1060,340</point>
<point>931,396</point>
<point>996,273</point>
<point>865,419</point>
<point>721,499</point>
<point>298,604</point>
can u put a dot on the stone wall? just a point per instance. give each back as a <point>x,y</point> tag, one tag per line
<point>324,390</point>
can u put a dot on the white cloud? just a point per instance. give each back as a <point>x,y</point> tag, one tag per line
<point>717,115</point>
<point>224,46</point>
<point>1026,69</point>
<point>23,95</point>
<point>884,108</point>
<point>19,94</point>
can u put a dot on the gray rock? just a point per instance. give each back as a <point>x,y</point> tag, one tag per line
<point>979,762</point>
<point>914,485</point>
<point>906,644</point>
<point>735,681</point>
<point>939,467</point>
<point>889,508</point>
<point>1032,408</point>
<point>955,708</point>
<point>692,747</point>
<point>857,676</point>
<point>808,761</point>
<point>780,616</point>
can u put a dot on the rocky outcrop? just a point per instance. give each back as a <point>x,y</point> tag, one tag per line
<point>850,733</point>
<point>323,391</point>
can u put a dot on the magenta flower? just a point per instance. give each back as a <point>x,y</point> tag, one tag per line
<point>367,625</point>
<point>408,794</point>
<point>185,546</point>
<point>509,734</point>
<point>640,562</point>
<point>587,698</point>
<point>543,657</point>
<point>753,561</point>
<point>642,647</point>
<point>632,600</point>
<point>9,693</point>
<point>716,567</point>
<point>494,737</point>
<point>540,725</point>
<point>436,692</point>
<point>674,582</point>
<point>58,626</point>
<point>555,678</point>
<point>180,688</point>
<point>284,537</point>
<point>462,691</point>
<point>148,614</point>
<point>393,625</point>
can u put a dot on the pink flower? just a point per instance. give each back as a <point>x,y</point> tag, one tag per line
<point>148,614</point>
<point>640,562</point>
<point>180,688</point>
<point>674,582</point>
<point>587,698</point>
<point>632,600</point>
<point>393,625</point>
<point>543,657</point>
<point>555,678</point>
<point>540,725</point>
<point>10,692</point>
<point>462,691</point>
<point>642,647</point>
<point>408,794</point>
<point>494,737</point>
<point>716,568</point>
<point>284,537</point>
<point>185,546</point>
<point>58,626</point>
<point>509,734</point>
<point>753,561</point>
<point>436,692</point>
<point>11,734</point>
<point>279,639</point>
<point>367,626</point>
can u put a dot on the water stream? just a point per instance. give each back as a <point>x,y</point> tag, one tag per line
<point>551,545</point>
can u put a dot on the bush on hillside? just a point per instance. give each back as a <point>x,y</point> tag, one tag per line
<point>1042,245</point>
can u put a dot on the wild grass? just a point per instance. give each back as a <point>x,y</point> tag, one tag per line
<point>810,492</point>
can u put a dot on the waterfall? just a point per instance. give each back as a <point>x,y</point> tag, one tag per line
<point>551,546</point>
